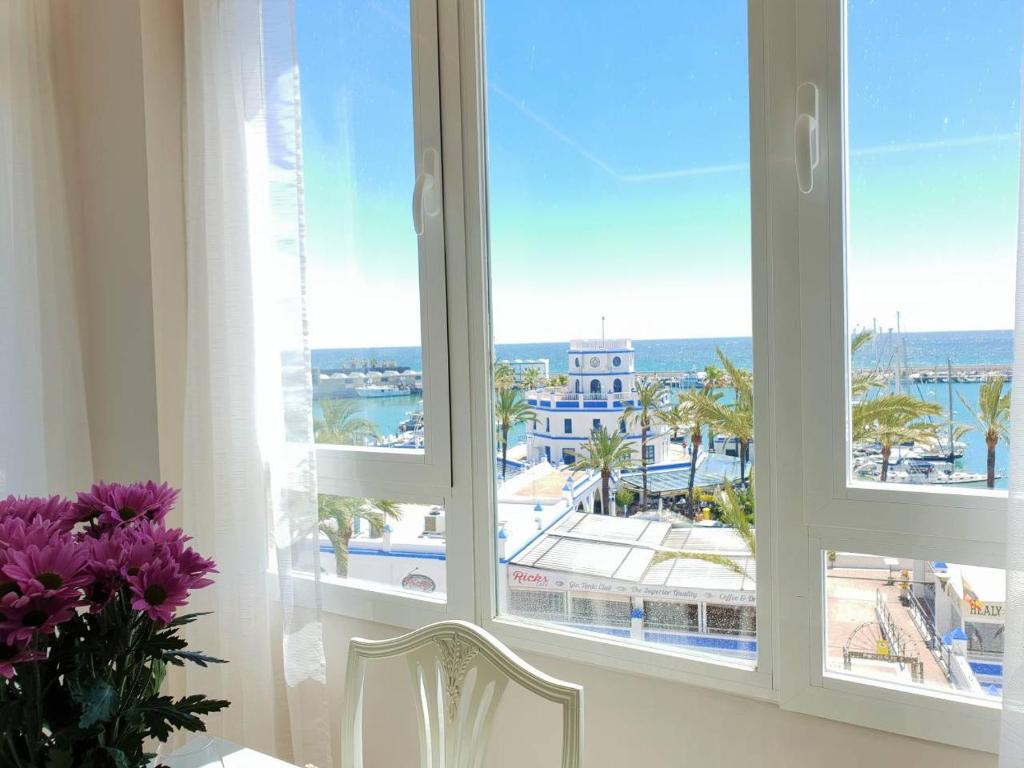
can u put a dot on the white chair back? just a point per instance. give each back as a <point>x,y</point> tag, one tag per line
<point>459,674</point>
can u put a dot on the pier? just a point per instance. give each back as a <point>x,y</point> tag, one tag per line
<point>924,374</point>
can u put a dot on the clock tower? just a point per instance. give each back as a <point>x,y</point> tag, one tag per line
<point>601,367</point>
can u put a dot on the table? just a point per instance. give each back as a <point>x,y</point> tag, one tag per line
<point>233,756</point>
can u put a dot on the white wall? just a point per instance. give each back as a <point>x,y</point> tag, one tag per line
<point>119,69</point>
<point>635,721</point>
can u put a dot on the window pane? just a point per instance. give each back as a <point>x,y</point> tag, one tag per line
<point>383,543</point>
<point>621,293</point>
<point>358,147</point>
<point>933,161</point>
<point>928,624</point>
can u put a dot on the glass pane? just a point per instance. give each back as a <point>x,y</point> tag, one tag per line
<point>384,543</point>
<point>358,148</point>
<point>621,293</point>
<point>928,624</point>
<point>933,162</point>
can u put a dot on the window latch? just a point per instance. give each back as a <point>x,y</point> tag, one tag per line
<point>806,135</point>
<point>426,200</point>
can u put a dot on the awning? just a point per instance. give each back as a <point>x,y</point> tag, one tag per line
<point>713,470</point>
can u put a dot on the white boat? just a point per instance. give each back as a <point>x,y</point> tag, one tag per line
<point>382,390</point>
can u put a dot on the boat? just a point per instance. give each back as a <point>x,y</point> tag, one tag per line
<point>413,420</point>
<point>382,390</point>
<point>957,477</point>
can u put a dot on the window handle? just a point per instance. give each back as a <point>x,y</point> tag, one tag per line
<point>425,198</point>
<point>806,135</point>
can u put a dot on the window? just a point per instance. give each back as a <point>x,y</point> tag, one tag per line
<point>648,547</point>
<point>907,97</point>
<point>944,141</point>
<point>376,299</point>
<point>674,158</point>
<point>379,543</point>
<point>929,624</point>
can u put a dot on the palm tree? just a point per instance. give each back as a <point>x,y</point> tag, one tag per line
<point>341,423</point>
<point>892,419</point>
<point>533,378</point>
<point>675,417</point>
<point>861,382</point>
<point>691,404</point>
<point>510,410</point>
<point>558,380</point>
<point>734,419</point>
<point>338,515</point>
<point>604,453</point>
<point>733,514</point>
<point>649,400</point>
<point>714,378</point>
<point>993,419</point>
<point>504,376</point>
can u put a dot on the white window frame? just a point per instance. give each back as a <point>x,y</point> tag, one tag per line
<point>345,470</point>
<point>421,477</point>
<point>836,512</point>
<point>804,501</point>
<point>612,653</point>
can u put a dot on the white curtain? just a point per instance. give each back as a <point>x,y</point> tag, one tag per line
<point>249,492</point>
<point>44,438</point>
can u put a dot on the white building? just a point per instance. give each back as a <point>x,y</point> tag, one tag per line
<point>602,386</point>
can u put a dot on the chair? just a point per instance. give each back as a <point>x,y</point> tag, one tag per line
<point>459,674</point>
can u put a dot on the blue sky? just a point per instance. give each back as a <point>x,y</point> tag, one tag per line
<point>618,168</point>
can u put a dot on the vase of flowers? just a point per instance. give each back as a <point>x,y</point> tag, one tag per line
<point>91,594</point>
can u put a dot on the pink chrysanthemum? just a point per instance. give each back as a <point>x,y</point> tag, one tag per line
<point>60,566</point>
<point>158,590</point>
<point>52,509</point>
<point>15,654</point>
<point>116,504</point>
<point>16,534</point>
<point>22,616</point>
<point>195,566</point>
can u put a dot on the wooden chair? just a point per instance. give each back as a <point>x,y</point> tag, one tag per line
<point>459,674</point>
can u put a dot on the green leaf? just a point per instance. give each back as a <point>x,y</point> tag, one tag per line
<point>162,714</point>
<point>195,657</point>
<point>98,701</point>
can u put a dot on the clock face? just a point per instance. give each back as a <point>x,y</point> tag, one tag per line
<point>594,362</point>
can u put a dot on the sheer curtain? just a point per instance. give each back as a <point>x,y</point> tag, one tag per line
<point>44,441</point>
<point>249,491</point>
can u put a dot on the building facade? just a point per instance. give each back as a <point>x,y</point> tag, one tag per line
<point>601,389</point>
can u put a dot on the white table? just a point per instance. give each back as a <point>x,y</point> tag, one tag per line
<point>234,756</point>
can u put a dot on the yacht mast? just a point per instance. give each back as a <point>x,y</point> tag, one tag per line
<point>899,351</point>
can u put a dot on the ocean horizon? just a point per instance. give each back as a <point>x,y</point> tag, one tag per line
<point>927,348</point>
<point>931,349</point>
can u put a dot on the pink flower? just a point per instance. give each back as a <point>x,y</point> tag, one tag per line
<point>60,566</point>
<point>22,616</point>
<point>116,504</point>
<point>158,590</point>
<point>15,654</point>
<point>52,509</point>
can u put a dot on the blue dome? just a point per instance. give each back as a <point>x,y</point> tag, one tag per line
<point>537,507</point>
<point>502,534</point>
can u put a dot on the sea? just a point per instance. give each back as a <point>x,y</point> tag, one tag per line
<point>930,349</point>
